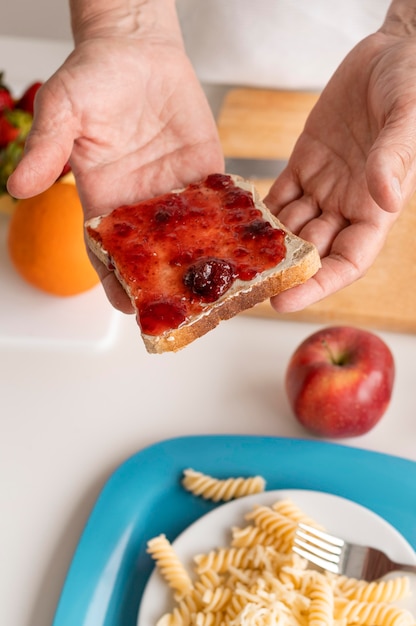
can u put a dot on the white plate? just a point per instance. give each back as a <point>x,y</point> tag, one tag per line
<point>338,515</point>
<point>30,317</point>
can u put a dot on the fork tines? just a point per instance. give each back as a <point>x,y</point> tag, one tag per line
<point>318,547</point>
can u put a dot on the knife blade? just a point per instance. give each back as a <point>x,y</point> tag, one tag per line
<point>254,168</point>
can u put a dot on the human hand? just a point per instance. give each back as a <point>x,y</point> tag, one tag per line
<point>353,167</point>
<point>134,121</point>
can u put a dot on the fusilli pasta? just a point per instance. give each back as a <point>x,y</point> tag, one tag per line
<point>257,580</point>
<point>170,566</point>
<point>215,489</point>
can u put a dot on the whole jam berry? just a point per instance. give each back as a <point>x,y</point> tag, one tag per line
<point>237,201</point>
<point>209,278</point>
<point>218,181</point>
<point>256,229</point>
<point>123,229</point>
<point>170,211</point>
<point>162,313</point>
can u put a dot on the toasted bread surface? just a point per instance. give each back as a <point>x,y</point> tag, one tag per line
<point>300,261</point>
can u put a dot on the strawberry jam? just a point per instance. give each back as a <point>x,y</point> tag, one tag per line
<point>181,251</point>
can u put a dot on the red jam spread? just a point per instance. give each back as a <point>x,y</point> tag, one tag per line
<point>180,251</point>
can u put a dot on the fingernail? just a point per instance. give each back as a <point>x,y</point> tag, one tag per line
<point>395,184</point>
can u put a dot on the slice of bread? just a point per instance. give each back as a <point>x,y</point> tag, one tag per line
<point>300,261</point>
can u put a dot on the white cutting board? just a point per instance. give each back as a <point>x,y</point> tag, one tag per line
<point>30,317</point>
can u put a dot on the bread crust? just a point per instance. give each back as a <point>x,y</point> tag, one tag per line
<point>301,263</point>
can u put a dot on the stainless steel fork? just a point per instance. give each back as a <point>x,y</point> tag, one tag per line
<point>340,557</point>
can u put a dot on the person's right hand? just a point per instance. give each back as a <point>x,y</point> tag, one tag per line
<point>134,122</point>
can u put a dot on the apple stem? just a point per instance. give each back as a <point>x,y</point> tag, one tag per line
<point>340,360</point>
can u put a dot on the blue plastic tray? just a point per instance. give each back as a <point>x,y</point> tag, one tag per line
<point>144,498</point>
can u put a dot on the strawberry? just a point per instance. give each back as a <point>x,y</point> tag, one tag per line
<point>66,169</point>
<point>14,128</point>
<point>8,132</point>
<point>26,102</point>
<point>9,158</point>
<point>14,124</point>
<point>6,98</point>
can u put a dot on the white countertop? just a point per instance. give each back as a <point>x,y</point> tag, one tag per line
<point>72,412</point>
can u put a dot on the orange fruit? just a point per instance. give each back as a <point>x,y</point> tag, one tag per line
<point>46,242</point>
<point>6,204</point>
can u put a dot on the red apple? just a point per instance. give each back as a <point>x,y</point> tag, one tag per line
<point>339,381</point>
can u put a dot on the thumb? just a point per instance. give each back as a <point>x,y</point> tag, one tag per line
<point>39,168</point>
<point>47,150</point>
<point>391,168</point>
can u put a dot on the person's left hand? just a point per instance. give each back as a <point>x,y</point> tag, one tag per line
<point>353,167</point>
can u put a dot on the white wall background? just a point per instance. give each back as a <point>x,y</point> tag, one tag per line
<point>35,18</point>
<point>287,44</point>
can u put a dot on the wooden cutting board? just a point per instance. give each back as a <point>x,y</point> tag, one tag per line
<point>266,124</point>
